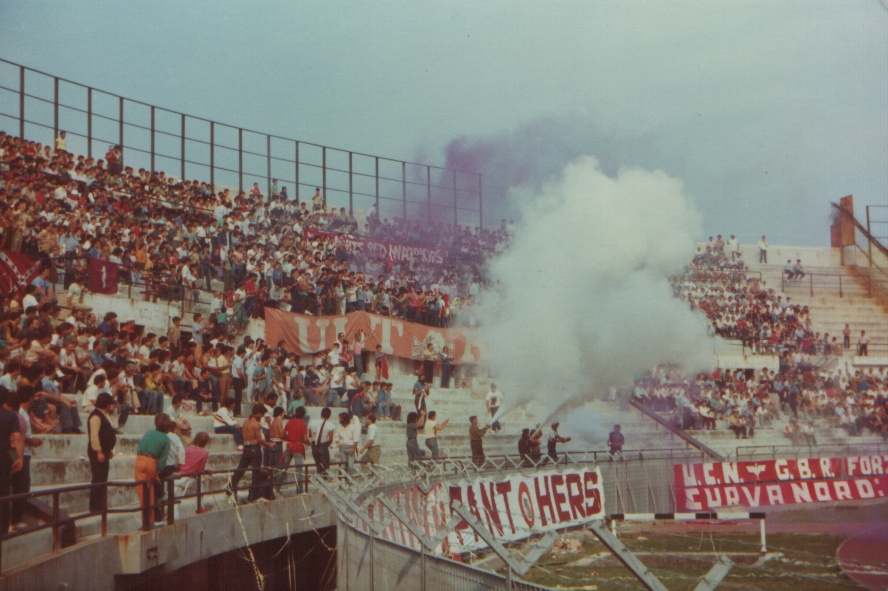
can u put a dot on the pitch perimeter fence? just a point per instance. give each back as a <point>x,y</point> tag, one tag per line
<point>37,106</point>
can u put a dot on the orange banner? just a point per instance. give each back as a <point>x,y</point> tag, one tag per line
<point>310,334</point>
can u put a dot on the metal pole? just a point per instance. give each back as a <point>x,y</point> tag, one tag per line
<point>89,121</point>
<point>22,102</point>
<point>480,203</point>
<point>120,129</point>
<point>404,187</point>
<point>324,173</point>
<point>55,114</point>
<point>351,181</point>
<point>182,152</point>
<point>509,578</point>
<point>423,565</point>
<point>296,188</point>
<point>762,532</point>
<point>429,190</point>
<point>240,160</point>
<point>153,168</point>
<point>212,156</point>
<point>869,230</point>
<point>268,164</point>
<point>455,205</point>
<point>377,187</point>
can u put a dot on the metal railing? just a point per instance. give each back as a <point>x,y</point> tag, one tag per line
<point>37,106</point>
<point>59,519</point>
<point>828,283</point>
<point>773,452</point>
<point>866,253</point>
<point>877,222</point>
<point>693,442</point>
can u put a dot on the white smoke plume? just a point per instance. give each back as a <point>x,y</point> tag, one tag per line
<point>582,301</point>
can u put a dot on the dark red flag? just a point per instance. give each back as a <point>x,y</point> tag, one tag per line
<point>17,271</point>
<point>102,276</point>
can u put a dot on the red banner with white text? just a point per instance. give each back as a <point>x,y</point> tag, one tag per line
<point>310,334</point>
<point>702,487</point>
<point>511,509</point>
<point>395,252</point>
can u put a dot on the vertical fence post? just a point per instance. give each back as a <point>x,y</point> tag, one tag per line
<point>351,184</point>
<point>324,174</point>
<point>89,122</point>
<point>56,537</point>
<point>240,160</point>
<point>296,166</point>
<point>182,147</point>
<point>120,128</point>
<point>171,501</point>
<point>22,102</point>
<point>429,190</point>
<point>153,168</point>
<point>480,203</point>
<point>55,112</point>
<point>455,203</point>
<point>377,188</point>
<point>213,156</point>
<point>268,165</point>
<point>404,187</point>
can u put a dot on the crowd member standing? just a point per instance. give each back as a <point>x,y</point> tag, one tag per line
<point>175,458</point>
<point>102,438</point>
<point>476,441</point>
<point>21,480</point>
<point>554,439</point>
<point>615,442</point>
<point>151,453</point>
<point>345,438</point>
<point>493,401</point>
<point>252,455</point>
<point>296,438</point>
<point>372,450</point>
<point>414,422</point>
<point>320,432</point>
<point>10,441</point>
<point>432,428</point>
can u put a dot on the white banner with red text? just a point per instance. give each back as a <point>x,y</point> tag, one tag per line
<point>702,487</point>
<point>394,252</point>
<point>511,509</point>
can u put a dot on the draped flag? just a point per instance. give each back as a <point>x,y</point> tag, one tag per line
<point>17,271</point>
<point>102,276</point>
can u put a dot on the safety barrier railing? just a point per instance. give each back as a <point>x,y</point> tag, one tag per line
<point>693,442</point>
<point>58,519</point>
<point>821,283</point>
<point>773,452</point>
<point>38,106</point>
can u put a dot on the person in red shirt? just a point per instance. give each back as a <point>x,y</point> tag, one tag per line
<point>296,436</point>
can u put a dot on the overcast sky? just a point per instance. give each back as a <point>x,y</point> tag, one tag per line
<point>766,110</point>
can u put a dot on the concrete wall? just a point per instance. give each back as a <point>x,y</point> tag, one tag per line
<point>92,565</point>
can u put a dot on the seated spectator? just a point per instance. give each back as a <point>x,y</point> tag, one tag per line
<point>791,431</point>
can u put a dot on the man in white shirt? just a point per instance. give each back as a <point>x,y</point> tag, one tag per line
<point>320,432</point>
<point>372,449</point>
<point>493,401</point>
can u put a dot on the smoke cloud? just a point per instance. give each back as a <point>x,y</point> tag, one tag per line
<point>581,301</point>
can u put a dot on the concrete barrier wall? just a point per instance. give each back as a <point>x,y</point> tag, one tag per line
<point>93,564</point>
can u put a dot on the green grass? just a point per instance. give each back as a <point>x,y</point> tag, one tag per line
<point>680,561</point>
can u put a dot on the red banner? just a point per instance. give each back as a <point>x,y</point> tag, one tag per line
<point>702,487</point>
<point>17,271</point>
<point>395,252</point>
<point>310,334</point>
<point>102,276</point>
